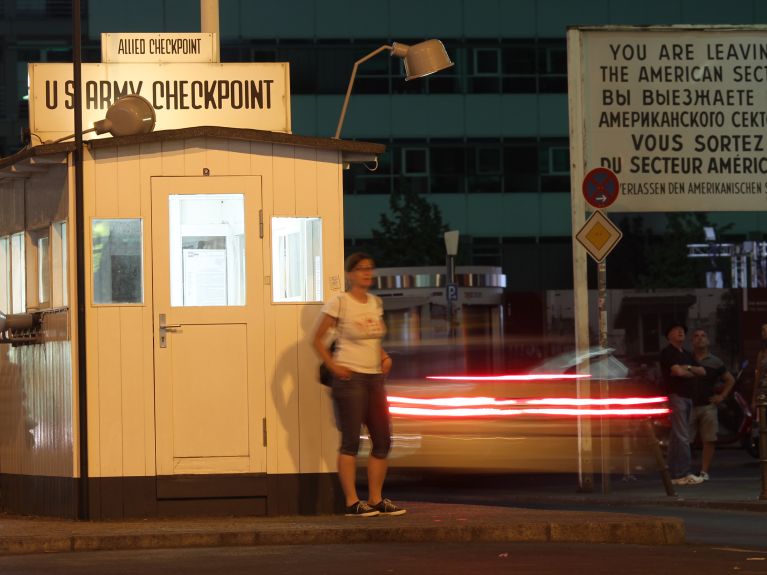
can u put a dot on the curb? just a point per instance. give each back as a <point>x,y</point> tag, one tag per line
<point>628,530</point>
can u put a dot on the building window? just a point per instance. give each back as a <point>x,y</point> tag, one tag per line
<point>487,61</point>
<point>43,271</point>
<point>5,275</point>
<point>488,160</point>
<point>558,159</point>
<point>59,259</point>
<point>296,259</point>
<point>207,250</point>
<point>18,274</point>
<point>415,161</point>
<point>117,252</point>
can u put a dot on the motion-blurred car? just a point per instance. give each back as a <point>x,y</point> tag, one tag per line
<point>524,422</point>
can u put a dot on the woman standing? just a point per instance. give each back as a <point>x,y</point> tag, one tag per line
<point>359,366</point>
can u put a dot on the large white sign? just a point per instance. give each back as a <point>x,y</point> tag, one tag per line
<point>177,47</point>
<point>679,114</point>
<point>184,95</point>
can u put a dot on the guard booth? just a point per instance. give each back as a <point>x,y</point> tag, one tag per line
<point>208,253</point>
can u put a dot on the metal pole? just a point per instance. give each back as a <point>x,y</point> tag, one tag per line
<point>450,309</point>
<point>209,23</point>
<point>83,508</point>
<point>761,407</point>
<point>604,390</point>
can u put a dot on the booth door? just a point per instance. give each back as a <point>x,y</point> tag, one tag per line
<point>208,325</point>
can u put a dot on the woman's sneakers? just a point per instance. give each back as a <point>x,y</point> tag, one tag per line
<point>386,507</point>
<point>383,507</point>
<point>361,509</point>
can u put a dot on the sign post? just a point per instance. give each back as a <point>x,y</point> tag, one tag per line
<point>678,114</point>
<point>599,236</point>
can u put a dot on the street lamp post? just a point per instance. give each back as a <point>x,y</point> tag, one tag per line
<point>421,60</point>
<point>451,289</point>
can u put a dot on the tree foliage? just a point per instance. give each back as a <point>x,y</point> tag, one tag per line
<point>411,233</point>
<point>666,260</point>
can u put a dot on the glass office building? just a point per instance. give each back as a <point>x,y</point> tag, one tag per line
<point>486,140</point>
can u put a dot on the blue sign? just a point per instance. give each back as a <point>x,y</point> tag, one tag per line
<point>452,292</point>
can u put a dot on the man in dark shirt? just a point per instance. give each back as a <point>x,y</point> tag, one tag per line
<point>679,370</point>
<point>705,416</point>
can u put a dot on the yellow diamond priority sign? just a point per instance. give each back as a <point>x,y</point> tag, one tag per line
<point>599,236</point>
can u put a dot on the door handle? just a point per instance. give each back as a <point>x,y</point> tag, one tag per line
<point>165,328</point>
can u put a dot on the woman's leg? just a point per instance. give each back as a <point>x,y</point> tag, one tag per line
<point>350,399</point>
<point>377,468</point>
<point>378,422</point>
<point>347,475</point>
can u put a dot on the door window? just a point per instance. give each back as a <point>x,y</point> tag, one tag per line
<point>207,250</point>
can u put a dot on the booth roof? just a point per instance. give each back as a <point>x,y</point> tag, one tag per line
<point>353,150</point>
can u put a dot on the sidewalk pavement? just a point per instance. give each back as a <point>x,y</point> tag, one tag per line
<point>735,485</point>
<point>423,522</point>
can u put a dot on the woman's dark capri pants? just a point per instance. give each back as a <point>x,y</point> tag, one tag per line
<point>362,399</point>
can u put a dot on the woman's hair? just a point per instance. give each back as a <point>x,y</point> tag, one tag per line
<point>354,259</point>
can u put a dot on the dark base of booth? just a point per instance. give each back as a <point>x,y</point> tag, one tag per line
<point>111,498</point>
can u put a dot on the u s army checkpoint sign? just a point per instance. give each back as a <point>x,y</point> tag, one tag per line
<point>599,236</point>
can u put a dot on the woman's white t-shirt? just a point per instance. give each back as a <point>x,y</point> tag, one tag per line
<point>359,330</point>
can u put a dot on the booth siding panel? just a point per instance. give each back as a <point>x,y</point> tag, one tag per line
<point>285,443</point>
<point>330,208</point>
<point>109,374</point>
<point>151,164</point>
<point>129,182</point>
<point>217,157</point>
<point>261,164</point>
<point>194,156</point>
<point>172,158</point>
<point>239,157</point>
<point>306,182</point>
<point>106,191</point>
<point>284,180</point>
<point>37,420</point>
<point>310,406</point>
<point>132,351</point>
<point>306,192</point>
<point>11,206</point>
<point>46,197</point>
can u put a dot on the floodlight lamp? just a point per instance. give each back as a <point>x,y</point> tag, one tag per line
<point>421,59</point>
<point>710,233</point>
<point>129,116</point>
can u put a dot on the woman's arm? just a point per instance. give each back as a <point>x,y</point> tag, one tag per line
<point>386,362</point>
<point>322,350</point>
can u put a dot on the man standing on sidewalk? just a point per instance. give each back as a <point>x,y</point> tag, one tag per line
<point>705,419</point>
<point>679,371</point>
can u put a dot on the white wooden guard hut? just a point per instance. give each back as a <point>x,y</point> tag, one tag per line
<point>208,253</point>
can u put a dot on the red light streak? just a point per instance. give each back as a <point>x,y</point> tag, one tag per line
<point>452,401</point>
<point>489,411</point>
<point>491,401</point>
<point>551,406</point>
<point>590,401</point>
<point>525,377</point>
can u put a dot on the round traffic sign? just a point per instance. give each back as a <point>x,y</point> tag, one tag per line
<point>600,187</point>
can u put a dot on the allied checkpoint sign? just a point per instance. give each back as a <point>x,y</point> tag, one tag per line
<point>237,95</point>
<point>679,114</point>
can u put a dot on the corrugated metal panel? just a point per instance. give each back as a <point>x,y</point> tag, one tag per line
<point>36,427</point>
